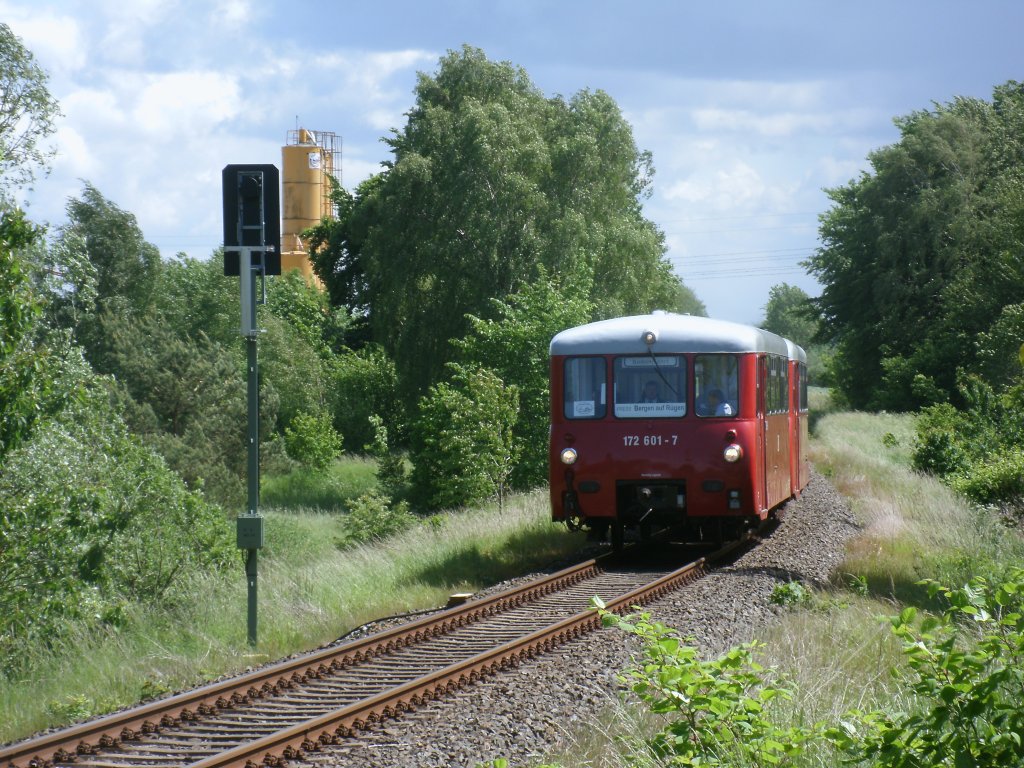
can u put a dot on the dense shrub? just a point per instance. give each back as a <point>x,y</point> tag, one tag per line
<point>965,668</point>
<point>312,440</point>
<point>940,448</point>
<point>515,346</point>
<point>462,447</point>
<point>364,383</point>
<point>998,479</point>
<point>373,516</point>
<point>90,518</point>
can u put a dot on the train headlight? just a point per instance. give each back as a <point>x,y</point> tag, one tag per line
<point>568,456</point>
<point>732,453</point>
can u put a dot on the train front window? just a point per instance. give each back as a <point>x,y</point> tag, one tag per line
<point>649,387</point>
<point>716,385</point>
<point>585,388</point>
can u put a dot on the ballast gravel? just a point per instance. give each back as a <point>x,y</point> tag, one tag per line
<point>531,711</point>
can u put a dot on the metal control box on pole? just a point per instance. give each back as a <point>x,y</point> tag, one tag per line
<point>251,236</point>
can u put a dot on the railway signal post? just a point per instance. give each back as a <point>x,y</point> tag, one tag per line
<point>251,236</point>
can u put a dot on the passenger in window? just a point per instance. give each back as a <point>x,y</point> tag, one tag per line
<point>650,394</point>
<point>714,405</point>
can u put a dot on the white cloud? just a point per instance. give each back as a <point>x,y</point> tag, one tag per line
<point>232,13</point>
<point>767,124</point>
<point>186,103</point>
<point>74,157</point>
<point>727,187</point>
<point>55,40</point>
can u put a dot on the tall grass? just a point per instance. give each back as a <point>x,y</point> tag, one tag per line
<point>914,527</point>
<point>331,489</point>
<point>311,591</point>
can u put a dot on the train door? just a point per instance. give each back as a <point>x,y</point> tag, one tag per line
<point>795,451</point>
<point>761,481</point>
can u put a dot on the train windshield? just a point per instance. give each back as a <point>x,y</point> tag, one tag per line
<point>586,388</point>
<point>716,385</point>
<point>650,387</point>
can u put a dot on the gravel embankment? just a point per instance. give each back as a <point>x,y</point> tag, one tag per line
<point>528,712</point>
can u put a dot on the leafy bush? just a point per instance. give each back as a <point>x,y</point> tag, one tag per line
<point>993,480</point>
<point>967,668</point>
<point>964,666</point>
<point>462,447</point>
<point>373,516</point>
<point>364,383</point>
<point>91,519</point>
<point>718,707</point>
<point>390,464</point>
<point>312,440</point>
<point>790,594</point>
<point>940,447</point>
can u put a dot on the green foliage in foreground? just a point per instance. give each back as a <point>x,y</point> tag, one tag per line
<point>965,667</point>
<point>717,709</point>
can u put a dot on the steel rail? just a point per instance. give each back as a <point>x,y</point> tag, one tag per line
<point>295,742</point>
<point>107,732</point>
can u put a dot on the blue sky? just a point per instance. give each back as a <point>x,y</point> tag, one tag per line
<point>750,108</point>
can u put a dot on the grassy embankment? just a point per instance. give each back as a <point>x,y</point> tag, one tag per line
<point>835,649</point>
<point>312,589</point>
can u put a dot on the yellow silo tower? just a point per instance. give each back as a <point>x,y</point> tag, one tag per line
<point>309,160</point>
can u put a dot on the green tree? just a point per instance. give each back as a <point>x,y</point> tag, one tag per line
<point>514,345</point>
<point>687,303</point>
<point>194,297</point>
<point>364,384</point>
<point>186,398</point>
<point>462,446</point>
<point>312,440</point>
<point>126,266</point>
<point>491,181</point>
<point>23,363</point>
<point>27,113</point>
<point>790,314</point>
<point>920,255</point>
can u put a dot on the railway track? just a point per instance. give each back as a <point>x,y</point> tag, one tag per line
<point>293,708</point>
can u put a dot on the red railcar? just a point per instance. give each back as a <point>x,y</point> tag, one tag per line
<point>674,419</point>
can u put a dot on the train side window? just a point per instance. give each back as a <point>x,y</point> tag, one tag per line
<point>716,385</point>
<point>585,388</point>
<point>778,385</point>
<point>650,387</point>
<point>803,386</point>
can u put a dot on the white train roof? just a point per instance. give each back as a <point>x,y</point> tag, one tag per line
<point>675,333</point>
